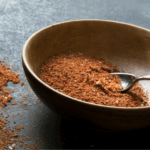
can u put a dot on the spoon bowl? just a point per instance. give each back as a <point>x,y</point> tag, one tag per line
<point>128,80</point>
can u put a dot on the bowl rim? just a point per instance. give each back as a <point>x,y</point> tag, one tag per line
<point>78,100</point>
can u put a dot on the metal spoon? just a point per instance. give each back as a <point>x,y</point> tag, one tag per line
<point>128,80</point>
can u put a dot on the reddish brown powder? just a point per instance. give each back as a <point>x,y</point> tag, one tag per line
<point>88,79</point>
<point>8,136</point>
<point>21,83</point>
<point>5,76</point>
<point>19,127</point>
<point>20,144</point>
<point>15,103</point>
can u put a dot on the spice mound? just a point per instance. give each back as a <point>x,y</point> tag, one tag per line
<point>86,78</point>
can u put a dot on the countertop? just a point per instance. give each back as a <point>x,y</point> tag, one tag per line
<point>19,19</point>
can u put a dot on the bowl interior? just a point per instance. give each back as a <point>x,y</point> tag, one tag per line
<point>124,45</point>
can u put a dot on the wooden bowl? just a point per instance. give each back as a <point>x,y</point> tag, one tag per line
<point>124,45</point>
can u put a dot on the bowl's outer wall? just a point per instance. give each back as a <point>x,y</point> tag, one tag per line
<point>124,45</point>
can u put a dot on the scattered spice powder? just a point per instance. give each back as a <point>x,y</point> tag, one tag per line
<point>21,83</point>
<point>5,76</point>
<point>15,103</point>
<point>88,79</point>
<point>20,144</point>
<point>7,136</point>
<point>25,103</point>
<point>19,127</point>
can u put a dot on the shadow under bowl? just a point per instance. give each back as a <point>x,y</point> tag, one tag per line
<point>124,45</point>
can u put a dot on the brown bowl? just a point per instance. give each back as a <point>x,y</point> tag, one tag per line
<point>124,45</point>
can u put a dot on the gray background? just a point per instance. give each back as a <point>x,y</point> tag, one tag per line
<point>19,19</point>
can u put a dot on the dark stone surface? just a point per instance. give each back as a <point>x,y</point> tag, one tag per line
<point>19,19</point>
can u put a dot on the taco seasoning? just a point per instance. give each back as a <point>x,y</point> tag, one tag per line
<point>10,137</point>
<point>86,78</point>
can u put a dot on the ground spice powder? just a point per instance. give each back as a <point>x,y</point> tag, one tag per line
<point>5,76</point>
<point>9,138</point>
<point>88,79</point>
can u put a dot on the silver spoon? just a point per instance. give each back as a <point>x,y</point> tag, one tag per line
<point>128,80</point>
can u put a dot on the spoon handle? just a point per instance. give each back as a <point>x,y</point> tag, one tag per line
<point>147,77</point>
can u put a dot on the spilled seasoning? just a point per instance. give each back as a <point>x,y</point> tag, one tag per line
<point>9,138</point>
<point>5,76</point>
<point>88,79</point>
